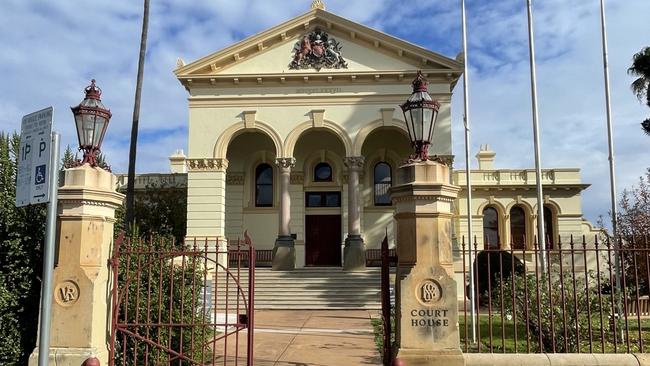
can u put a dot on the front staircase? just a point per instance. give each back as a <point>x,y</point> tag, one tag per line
<point>307,288</point>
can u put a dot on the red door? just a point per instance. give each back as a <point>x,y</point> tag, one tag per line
<point>323,240</point>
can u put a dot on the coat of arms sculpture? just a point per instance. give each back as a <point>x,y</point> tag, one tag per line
<point>317,50</point>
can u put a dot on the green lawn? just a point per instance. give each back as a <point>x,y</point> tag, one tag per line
<point>499,336</point>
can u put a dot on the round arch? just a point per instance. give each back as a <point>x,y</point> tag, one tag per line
<point>528,208</point>
<point>221,146</point>
<point>294,135</point>
<point>363,133</point>
<point>329,157</point>
<point>554,206</point>
<point>250,164</point>
<point>529,216</point>
<point>496,204</point>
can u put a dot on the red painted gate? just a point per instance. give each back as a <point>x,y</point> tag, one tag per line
<point>182,304</point>
<point>387,308</point>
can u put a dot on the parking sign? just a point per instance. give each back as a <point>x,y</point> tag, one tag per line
<point>33,163</point>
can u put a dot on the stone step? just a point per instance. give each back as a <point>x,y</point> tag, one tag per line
<point>305,288</point>
<point>350,306</point>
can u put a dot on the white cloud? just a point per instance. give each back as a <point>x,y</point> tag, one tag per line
<point>50,50</point>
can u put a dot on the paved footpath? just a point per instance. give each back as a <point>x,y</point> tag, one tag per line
<point>315,337</point>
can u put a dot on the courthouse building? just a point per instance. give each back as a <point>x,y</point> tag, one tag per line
<point>296,135</point>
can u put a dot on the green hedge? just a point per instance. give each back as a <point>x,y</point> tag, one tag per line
<point>22,233</point>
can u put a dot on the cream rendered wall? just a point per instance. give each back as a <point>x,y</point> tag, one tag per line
<point>262,226</point>
<point>297,223</point>
<point>206,204</point>
<point>284,108</point>
<point>234,211</point>
<point>376,222</point>
<point>505,188</point>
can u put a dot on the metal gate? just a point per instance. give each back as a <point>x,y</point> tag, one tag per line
<point>187,304</point>
<point>388,259</point>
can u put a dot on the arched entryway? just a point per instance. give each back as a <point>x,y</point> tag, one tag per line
<point>385,149</point>
<point>252,188</point>
<point>319,155</point>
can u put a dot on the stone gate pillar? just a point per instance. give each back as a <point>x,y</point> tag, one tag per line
<point>426,302</point>
<point>81,320</point>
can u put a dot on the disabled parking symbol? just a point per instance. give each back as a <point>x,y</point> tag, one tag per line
<point>39,177</point>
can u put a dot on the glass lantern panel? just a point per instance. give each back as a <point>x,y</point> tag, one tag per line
<point>416,117</point>
<point>100,123</point>
<point>427,123</point>
<point>78,119</point>
<point>88,129</point>
<point>434,118</point>
<point>409,123</point>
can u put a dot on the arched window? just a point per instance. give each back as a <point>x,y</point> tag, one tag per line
<point>491,228</point>
<point>263,186</point>
<point>382,183</point>
<point>548,227</point>
<point>518,227</point>
<point>322,172</point>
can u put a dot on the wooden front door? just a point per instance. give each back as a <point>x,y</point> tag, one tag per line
<point>323,240</point>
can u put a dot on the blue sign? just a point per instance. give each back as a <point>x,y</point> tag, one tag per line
<point>39,175</point>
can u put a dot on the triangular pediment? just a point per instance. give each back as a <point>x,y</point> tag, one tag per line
<point>363,50</point>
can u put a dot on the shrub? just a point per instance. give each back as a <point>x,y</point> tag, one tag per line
<point>564,321</point>
<point>168,294</point>
<point>491,268</point>
<point>22,233</point>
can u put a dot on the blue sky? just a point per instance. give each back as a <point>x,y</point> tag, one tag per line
<point>51,49</point>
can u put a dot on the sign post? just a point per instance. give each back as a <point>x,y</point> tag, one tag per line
<point>35,150</point>
<point>36,182</point>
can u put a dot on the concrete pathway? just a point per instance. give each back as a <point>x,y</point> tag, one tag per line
<point>315,337</point>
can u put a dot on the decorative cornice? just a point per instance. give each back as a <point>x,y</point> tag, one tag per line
<point>354,162</point>
<point>235,179</point>
<point>285,163</point>
<point>430,198</point>
<point>302,79</point>
<point>85,202</point>
<point>297,178</point>
<point>207,164</point>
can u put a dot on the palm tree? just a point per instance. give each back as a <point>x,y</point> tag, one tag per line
<point>130,188</point>
<point>641,69</point>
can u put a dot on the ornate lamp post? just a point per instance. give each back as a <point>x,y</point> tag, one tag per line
<point>420,114</point>
<point>425,284</point>
<point>91,119</point>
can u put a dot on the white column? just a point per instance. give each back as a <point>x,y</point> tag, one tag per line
<point>284,252</point>
<point>285,165</point>
<point>354,254</point>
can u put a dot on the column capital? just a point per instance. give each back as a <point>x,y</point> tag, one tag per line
<point>354,162</point>
<point>285,163</point>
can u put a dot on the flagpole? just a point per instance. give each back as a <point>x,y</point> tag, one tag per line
<point>468,171</point>
<point>610,143</point>
<point>538,170</point>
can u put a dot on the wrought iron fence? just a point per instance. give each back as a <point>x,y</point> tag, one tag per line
<point>581,296</point>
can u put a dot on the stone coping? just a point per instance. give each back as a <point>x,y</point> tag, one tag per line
<point>556,359</point>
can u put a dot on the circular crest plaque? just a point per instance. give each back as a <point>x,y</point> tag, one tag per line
<point>429,292</point>
<point>66,293</point>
